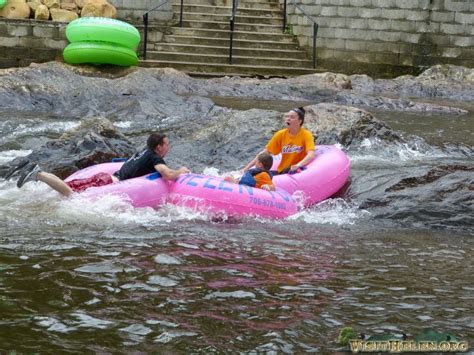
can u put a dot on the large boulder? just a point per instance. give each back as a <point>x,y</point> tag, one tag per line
<point>221,143</point>
<point>52,4</point>
<point>69,5</point>
<point>15,9</point>
<point>80,3</point>
<point>331,123</point>
<point>33,4</point>
<point>42,13</point>
<point>98,8</point>
<point>61,15</point>
<point>94,141</point>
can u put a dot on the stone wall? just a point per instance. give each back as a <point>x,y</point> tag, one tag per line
<point>133,10</point>
<point>386,37</point>
<point>26,41</point>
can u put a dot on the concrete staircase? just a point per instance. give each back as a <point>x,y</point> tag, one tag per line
<point>201,46</point>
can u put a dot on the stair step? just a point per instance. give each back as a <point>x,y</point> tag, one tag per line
<point>227,69</point>
<point>242,4</point>
<point>199,58</point>
<point>224,42</point>
<point>227,10</point>
<point>201,46</point>
<point>224,50</point>
<point>238,34</point>
<point>240,20</point>
<point>216,25</point>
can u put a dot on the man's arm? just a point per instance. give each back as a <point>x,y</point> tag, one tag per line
<point>170,174</point>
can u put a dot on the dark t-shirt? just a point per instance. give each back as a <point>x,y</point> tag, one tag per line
<point>139,164</point>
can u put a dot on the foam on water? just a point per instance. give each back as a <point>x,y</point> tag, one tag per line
<point>9,155</point>
<point>374,149</point>
<point>333,211</point>
<point>113,210</point>
<point>44,203</point>
<point>42,128</point>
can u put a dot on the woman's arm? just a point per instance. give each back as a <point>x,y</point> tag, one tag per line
<point>306,160</point>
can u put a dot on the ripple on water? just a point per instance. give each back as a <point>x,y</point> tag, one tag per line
<point>139,286</point>
<point>332,211</point>
<point>168,336</point>
<point>162,281</point>
<point>167,260</point>
<point>234,294</point>
<point>105,267</point>
<point>137,329</point>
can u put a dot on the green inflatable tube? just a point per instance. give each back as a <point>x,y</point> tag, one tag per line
<point>104,30</point>
<point>3,3</point>
<point>99,53</point>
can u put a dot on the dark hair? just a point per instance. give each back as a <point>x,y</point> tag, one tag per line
<point>266,160</point>
<point>155,139</point>
<point>301,112</point>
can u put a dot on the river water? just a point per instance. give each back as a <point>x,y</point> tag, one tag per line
<point>81,277</point>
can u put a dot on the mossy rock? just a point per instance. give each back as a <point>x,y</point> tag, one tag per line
<point>433,335</point>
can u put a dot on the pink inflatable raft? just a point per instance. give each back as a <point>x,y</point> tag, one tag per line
<point>321,179</point>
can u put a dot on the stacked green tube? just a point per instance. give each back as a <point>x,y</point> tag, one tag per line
<point>100,40</point>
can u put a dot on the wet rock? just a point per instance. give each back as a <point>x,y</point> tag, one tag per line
<point>140,100</point>
<point>431,176</point>
<point>346,125</point>
<point>441,81</point>
<point>438,198</point>
<point>234,138</point>
<point>389,104</point>
<point>141,96</point>
<point>94,141</point>
<point>312,87</point>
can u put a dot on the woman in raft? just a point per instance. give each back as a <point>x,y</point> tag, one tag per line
<point>295,143</point>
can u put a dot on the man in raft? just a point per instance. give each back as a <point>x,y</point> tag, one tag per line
<point>141,163</point>
<point>295,143</point>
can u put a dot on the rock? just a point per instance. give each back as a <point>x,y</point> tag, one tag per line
<point>98,8</point>
<point>389,104</point>
<point>33,4</point>
<point>69,5</point>
<point>446,81</point>
<point>42,13</point>
<point>109,11</point>
<point>339,81</point>
<point>61,15</point>
<point>80,3</point>
<point>15,9</point>
<point>52,4</point>
<point>331,123</point>
<point>145,99</point>
<point>95,141</point>
<point>431,176</point>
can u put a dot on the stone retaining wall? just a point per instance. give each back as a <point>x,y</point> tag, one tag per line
<point>25,41</point>
<point>133,10</point>
<point>387,37</point>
